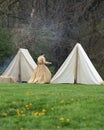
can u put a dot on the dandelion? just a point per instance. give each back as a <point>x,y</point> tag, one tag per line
<point>28,106</point>
<point>67,120</point>
<point>14,102</point>
<point>27,93</point>
<point>58,127</point>
<point>21,128</point>
<point>61,119</point>
<point>36,113</point>
<point>18,112</point>
<point>43,110</point>
<point>41,114</point>
<point>62,101</point>
<point>4,114</point>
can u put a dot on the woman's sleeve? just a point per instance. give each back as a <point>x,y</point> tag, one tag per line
<point>45,62</point>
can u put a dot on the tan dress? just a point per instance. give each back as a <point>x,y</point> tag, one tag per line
<point>41,74</point>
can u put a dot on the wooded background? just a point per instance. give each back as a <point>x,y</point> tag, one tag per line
<point>52,27</point>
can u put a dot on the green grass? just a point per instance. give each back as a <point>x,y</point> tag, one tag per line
<point>51,107</point>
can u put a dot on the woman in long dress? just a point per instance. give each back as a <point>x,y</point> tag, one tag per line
<point>41,73</point>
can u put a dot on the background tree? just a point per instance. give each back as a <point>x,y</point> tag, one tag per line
<point>5,45</point>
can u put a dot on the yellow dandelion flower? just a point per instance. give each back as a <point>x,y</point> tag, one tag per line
<point>41,114</point>
<point>14,102</point>
<point>43,110</point>
<point>4,114</point>
<point>30,104</point>
<point>27,93</point>
<point>36,113</point>
<point>61,119</point>
<point>62,101</point>
<point>21,128</point>
<point>58,127</point>
<point>26,106</point>
<point>67,120</point>
<point>18,112</point>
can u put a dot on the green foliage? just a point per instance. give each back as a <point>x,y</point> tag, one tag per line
<point>5,45</point>
<point>51,107</point>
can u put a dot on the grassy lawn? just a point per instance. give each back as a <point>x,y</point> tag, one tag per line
<point>51,107</point>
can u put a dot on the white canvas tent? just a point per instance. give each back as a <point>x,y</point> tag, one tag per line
<point>21,67</point>
<point>77,68</point>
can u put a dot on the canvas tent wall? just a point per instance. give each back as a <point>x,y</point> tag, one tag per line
<point>21,67</point>
<point>77,68</point>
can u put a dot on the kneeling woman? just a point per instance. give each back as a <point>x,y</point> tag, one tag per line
<point>41,73</point>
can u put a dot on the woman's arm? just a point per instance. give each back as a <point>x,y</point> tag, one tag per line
<point>46,62</point>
